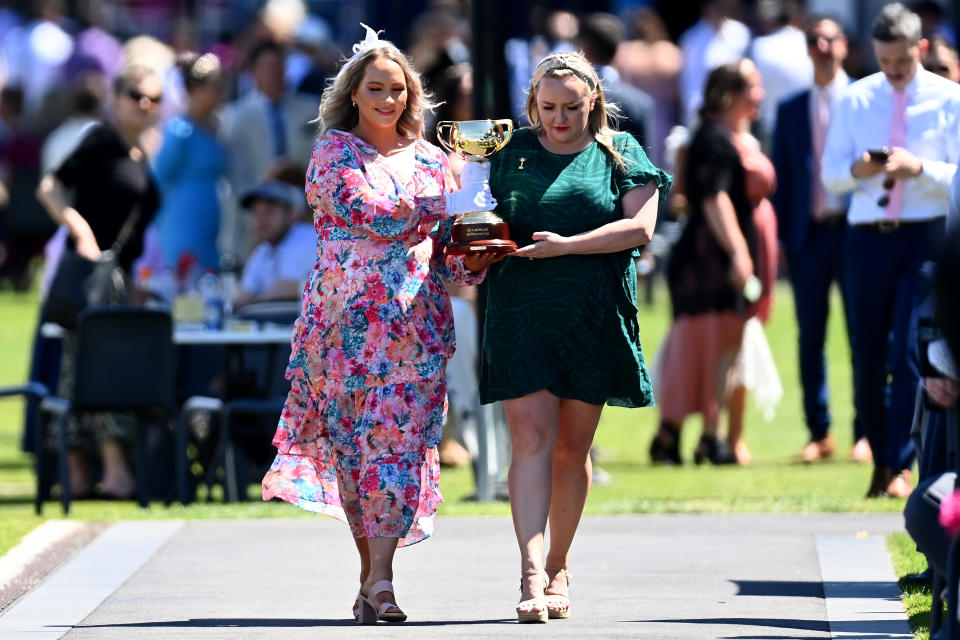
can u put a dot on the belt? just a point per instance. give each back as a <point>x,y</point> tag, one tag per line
<point>888,226</point>
<point>833,220</point>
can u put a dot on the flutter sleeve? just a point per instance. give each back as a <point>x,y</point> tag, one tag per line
<point>639,170</point>
<point>337,184</point>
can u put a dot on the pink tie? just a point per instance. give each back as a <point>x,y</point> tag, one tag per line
<point>821,120</point>
<point>898,138</point>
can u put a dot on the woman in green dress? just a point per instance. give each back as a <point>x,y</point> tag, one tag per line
<point>561,332</point>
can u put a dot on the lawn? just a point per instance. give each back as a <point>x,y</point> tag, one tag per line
<point>773,483</point>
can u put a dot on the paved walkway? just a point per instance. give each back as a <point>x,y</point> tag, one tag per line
<point>664,577</point>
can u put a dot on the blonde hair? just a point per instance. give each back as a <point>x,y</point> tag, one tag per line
<point>565,64</point>
<point>336,104</point>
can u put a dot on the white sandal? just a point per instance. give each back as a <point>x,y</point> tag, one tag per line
<point>370,613</point>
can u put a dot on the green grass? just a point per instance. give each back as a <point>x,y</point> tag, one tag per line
<point>916,599</point>
<point>772,484</point>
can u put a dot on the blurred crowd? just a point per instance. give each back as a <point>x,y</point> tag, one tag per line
<point>226,121</point>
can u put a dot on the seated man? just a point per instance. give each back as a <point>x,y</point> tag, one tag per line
<point>287,251</point>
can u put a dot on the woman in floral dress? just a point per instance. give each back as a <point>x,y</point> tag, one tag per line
<point>358,435</point>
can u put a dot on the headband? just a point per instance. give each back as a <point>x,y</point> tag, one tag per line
<point>562,61</point>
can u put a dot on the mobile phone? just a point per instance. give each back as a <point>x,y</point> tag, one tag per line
<point>879,155</point>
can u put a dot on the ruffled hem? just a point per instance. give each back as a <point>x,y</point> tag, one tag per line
<point>280,482</point>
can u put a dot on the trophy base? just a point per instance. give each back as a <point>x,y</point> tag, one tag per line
<point>495,247</point>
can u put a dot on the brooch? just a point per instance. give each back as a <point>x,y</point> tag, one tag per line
<point>522,160</point>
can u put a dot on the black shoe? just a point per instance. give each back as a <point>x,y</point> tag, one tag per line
<point>922,579</point>
<point>714,449</point>
<point>665,447</point>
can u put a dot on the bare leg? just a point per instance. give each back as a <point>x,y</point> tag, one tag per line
<point>364,550</point>
<point>736,407</point>
<point>79,474</point>
<point>571,483</point>
<point>381,552</point>
<point>533,434</point>
<point>117,479</point>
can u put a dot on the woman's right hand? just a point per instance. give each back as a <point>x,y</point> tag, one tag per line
<point>87,247</point>
<point>741,268</point>
<point>472,197</point>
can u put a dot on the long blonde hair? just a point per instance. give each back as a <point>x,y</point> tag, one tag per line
<point>565,64</point>
<point>336,105</point>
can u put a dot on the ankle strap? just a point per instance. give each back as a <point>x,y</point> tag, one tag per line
<point>380,587</point>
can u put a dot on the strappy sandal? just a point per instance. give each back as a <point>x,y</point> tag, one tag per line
<point>370,613</point>
<point>558,606</point>
<point>534,609</point>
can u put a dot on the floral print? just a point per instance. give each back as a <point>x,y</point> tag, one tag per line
<point>358,434</point>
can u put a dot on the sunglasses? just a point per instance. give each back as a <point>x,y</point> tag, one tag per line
<point>884,200</point>
<point>937,68</point>
<point>137,96</point>
<point>813,40</point>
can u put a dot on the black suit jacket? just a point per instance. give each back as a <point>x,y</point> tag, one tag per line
<point>792,157</point>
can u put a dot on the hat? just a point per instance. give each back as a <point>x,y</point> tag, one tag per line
<point>274,191</point>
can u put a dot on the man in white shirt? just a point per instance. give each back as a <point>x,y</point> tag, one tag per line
<point>811,224</point>
<point>279,265</point>
<point>714,40</point>
<point>894,141</point>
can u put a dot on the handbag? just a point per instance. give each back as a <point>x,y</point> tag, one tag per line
<point>80,283</point>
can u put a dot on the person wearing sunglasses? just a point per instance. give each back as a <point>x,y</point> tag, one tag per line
<point>894,143</point>
<point>111,188</point>
<point>942,60</point>
<point>812,226</point>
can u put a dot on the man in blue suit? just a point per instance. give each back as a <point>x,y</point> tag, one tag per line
<point>812,224</point>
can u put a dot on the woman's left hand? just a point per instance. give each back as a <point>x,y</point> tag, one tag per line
<point>546,244</point>
<point>477,262</point>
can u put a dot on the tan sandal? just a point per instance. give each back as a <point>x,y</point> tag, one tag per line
<point>370,613</point>
<point>558,605</point>
<point>534,609</point>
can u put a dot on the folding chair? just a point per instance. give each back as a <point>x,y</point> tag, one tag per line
<point>124,363</point>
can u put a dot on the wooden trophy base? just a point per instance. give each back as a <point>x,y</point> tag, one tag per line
<point>480,237</point>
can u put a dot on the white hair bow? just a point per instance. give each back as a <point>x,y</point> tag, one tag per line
<point>372,39</point>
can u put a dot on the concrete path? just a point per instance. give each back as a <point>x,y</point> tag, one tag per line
<point>664,577</point>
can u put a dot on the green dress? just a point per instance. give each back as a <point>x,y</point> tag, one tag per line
<point>566,324</point>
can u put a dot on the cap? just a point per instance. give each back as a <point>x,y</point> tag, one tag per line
<point>274,191</point>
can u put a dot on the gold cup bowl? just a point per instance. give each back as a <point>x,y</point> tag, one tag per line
<point>476,140</point>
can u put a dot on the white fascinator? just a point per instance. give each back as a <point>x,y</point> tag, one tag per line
<point>370,40</point>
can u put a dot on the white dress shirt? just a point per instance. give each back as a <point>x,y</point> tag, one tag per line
<point>831,201</point>
<point>292,258</point>
<point>704,49</point>
<point>861,121</point>
<point>785,69</point>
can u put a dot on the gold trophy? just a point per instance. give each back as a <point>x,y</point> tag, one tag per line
<point>474,140</point>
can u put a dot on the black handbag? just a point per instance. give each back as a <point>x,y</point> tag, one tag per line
<point>80,283</point>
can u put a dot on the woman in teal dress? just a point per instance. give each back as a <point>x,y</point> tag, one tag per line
<point>561,333</point>
<point>188,166</point>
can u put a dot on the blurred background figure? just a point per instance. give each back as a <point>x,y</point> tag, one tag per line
<point>709,267</point>
<point>188,167</point>
<point>265,131</point>
<point>781,58</point>
<point>284,257</point>
<point>754,367</point>
<point>551,32</point>
<point>651,62</point>
<point>717,38</point>
<point>95,48</point>
<point>812,226</point>
<point>23,226</point>
<point>941,59</point>
<point>598,38</point>
<point>312,57</point>
<point>933,20</point>
<point>111,187</point>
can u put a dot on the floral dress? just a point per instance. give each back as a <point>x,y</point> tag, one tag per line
<point>358,436</point>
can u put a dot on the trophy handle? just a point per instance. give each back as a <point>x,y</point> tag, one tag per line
<point>442,137</point>
<point>505,130</point>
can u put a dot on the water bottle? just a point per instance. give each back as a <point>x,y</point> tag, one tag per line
<point>210,292</point>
